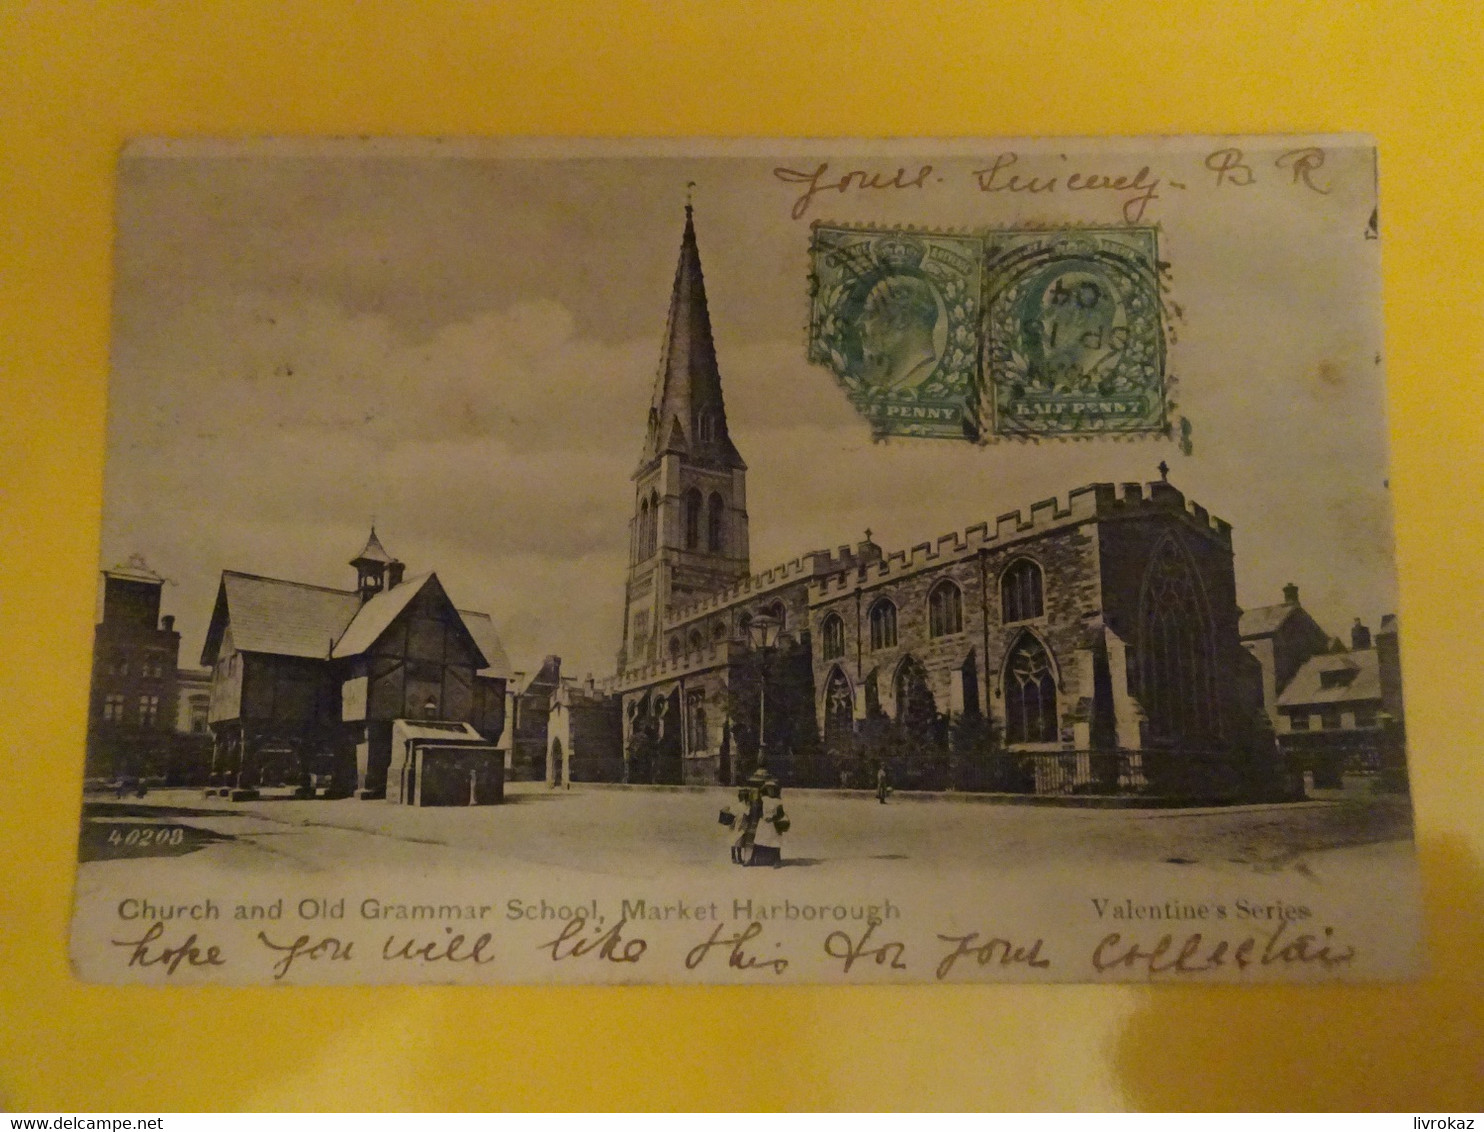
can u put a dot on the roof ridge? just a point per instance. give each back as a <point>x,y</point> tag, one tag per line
<point>289,582</point>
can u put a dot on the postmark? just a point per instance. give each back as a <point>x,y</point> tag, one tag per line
<point>1074,339</point>
<point>896,315</point>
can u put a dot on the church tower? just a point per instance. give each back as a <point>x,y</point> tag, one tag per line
<point>688,536</point>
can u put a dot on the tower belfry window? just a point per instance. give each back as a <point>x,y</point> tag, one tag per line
<point>692,519</point>
<point>715,518</point>
<point>705,427</point>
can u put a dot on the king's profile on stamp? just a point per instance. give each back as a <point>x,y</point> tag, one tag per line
<point>895,316</point>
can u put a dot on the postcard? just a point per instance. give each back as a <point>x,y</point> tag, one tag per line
<point>759,562</point>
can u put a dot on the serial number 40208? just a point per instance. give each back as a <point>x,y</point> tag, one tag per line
<point>150,836</point>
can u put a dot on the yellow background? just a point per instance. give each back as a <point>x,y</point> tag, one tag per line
<point>77,79</point>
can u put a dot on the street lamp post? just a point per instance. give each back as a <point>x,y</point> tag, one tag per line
<point>762,635</point>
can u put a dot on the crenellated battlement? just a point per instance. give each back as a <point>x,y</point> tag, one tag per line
<point>713,655</point>
<point>1090,502</point>
<point>812,564</point>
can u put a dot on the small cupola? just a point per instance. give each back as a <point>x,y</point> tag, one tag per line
<point>371,567</point>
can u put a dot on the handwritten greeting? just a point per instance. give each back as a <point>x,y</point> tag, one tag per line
<point>682,939</point>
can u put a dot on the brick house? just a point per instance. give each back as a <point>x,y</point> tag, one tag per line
<point>132,708</point>
<point>1334,708</point>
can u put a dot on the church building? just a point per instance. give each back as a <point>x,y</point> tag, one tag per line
<point>1090,643</point>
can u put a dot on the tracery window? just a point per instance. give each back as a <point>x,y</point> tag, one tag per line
<point>915,704</point>
<point>832,637</point>
<point>1021,596</point>
<point>839,708</point>
<point>945,610</point>
<point>883,624</point>
<point>1030,693</point>
<point>1176,656</point>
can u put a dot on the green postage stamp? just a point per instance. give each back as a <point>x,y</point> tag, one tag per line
<point>1029,333</point>
<point>1074,343</point>
<point>896,315</point>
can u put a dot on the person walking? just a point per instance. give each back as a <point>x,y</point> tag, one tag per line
<point>883,787</point>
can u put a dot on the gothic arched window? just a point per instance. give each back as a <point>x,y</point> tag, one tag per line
<point>839,708</point>
<point>692,519</point>
<point>883,618</point>
<point>694,640</point>
<point>675,647</point>
<point>1021,597</point>
<point>715,531</point>
<point>915,704</point>
<point>883,625</point>
<point>832,637</point>
<point>1030,693</point>
<point>1176,655</point>
<point>641,542</point>
<point>696,736</point>
<point>650,523</point>
<point>945,610</point>
<point>778,613</point>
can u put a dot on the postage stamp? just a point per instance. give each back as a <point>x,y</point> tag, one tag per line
<point>1074,335</point>
<point>896,316</point>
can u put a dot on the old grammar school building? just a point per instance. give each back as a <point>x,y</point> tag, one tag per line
<point>1095,636</point>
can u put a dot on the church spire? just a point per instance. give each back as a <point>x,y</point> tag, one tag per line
<point>687,415</point>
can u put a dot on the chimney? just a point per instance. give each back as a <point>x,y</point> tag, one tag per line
<point>168,622</point>
<point>394,572</point>
<point>1360,636</point>
<point>1290,594</point>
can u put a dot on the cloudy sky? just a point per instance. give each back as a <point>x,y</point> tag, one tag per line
<point>463,343</point>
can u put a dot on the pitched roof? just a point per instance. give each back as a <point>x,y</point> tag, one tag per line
<point>481,627</point>
<point>1265,620</point>
<point>270,615</point>
<point>372,619</point>
<point>688,382</point>
<point>1308,683</point>
<point>134,570</point>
